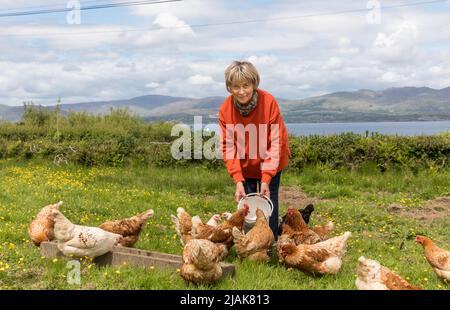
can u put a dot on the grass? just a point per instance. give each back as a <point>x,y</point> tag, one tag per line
<point>355,201</point>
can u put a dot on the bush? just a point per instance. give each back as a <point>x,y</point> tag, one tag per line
<point>120,138</point>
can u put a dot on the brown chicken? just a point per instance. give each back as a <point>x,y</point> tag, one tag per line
<point>438,258</point>
<point>183,225</point>
<point>223,232</point>
<point>256,242</point>
<point>373,276</point>
<point>41,228</point>
<point>285,237</point>
<point>297,229</point>
<point>129,228</point>
<point>201,261</point>
<point>320,258</point>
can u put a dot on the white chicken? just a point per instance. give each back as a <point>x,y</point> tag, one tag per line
<point>214,220</point>
<point>81,241</point>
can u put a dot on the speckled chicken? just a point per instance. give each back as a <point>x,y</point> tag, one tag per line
<point>129,228</point>
<point>80,241</point>
<point>201,261</point>
<point>41,228</point>
<point>297,229</point>
<point>306,215</point>
<point>438,258</point>
<point>320,258</point>
<point>221,233</point>
<point>256,242</point>
<point>371,275</point>
<point>183,225</point>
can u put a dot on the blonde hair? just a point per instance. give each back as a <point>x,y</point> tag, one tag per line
<point>241,71</point>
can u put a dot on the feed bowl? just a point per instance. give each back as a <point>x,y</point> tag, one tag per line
<point>255,201</point>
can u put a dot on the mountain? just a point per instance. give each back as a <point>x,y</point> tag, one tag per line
<point>393,104</point>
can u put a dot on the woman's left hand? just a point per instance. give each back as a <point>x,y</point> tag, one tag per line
<point>265,190</point>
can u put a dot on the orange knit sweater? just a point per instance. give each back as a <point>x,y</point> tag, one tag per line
<point>265,150</point>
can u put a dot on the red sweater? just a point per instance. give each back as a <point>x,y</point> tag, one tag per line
<point>265,151</point>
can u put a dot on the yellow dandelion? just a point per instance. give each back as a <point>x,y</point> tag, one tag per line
<point>118,271</point>
<point>178,270</point>
<point>55,260</point>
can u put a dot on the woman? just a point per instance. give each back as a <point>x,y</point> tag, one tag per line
<point>253,135</point>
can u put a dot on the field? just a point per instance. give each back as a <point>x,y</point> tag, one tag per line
<point>384,212</point>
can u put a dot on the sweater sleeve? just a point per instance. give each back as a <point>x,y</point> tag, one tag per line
<point>275,134</point>
<point>229,152</point>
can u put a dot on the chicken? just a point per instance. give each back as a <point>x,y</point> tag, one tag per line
<point>438,258</point>
<point>226,215</point>
<point>41,228</point>
<point>237,218</point>
<point>81,241</point>
<point>183,225</point>
<point>221,233</point>
<point>324,230</point>
<point>306,215</point>
<point>286,237</point>
<point>129,228</point>
<point>201,261</point>
<point>298,230</point>
<point>371,275</point>
<point>214,220</point>
<point>321,258</point>
<point>258,240</point>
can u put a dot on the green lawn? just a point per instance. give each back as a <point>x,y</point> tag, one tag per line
<point>355,201</point>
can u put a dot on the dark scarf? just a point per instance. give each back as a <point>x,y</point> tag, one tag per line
<point>245,110</point>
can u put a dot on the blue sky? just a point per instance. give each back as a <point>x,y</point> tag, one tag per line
<point>104,58</point>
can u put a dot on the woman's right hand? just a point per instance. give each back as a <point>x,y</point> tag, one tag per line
<point>240,191</point>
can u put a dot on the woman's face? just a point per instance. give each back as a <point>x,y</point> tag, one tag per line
<point>242,91</point>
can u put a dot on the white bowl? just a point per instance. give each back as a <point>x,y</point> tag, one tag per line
<point>254,201</point>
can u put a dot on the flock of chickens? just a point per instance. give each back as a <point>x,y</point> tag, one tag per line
<point>81,241</point>
<point>205,245</point>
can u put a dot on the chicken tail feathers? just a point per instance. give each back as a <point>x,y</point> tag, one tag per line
<point>147,214</point>
<point>237,235</point>
<point>333,264</point>
<point>176,222</point>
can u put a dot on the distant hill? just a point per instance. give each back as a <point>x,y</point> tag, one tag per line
<point>393,104</point>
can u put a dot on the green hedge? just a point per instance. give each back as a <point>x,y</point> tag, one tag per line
<point>120,138</point>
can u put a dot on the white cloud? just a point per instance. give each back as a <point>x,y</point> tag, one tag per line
<point>404,36</point>
<point>436,70</point>
<point>296,57</point>
<point>200,79</point>
<point>393,77</point>
<point>334,63</point>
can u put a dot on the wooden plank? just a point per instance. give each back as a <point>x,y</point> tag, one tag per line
<point>135,257</point>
